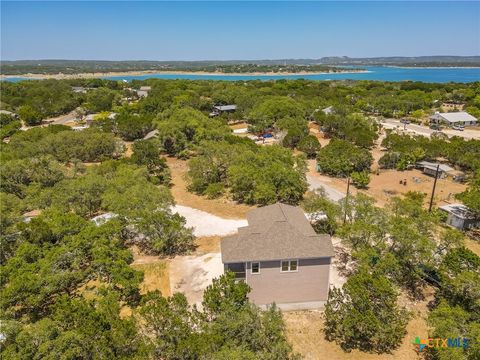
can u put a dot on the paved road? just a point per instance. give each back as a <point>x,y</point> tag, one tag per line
<point>332,193</point>
<point>426,131</point>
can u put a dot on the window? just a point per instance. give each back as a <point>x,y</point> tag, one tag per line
<point>255,268</point>
<point>289,265</point>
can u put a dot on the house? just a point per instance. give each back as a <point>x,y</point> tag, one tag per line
<point>143,91</point>
<point>28,216</point>
<point>430,168</point>
<point>218,109</point>
<point>328,110</point>
<point>80,127</point>
<point>151,134</point>
<point>281,258</point>
<point>79,89</point>
<point>460,216</point>
<point>103,218</point>
<point>9,113</point>
<point>90,118</point>
<point>453,118</point>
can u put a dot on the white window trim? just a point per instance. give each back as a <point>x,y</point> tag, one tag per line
<point>289,266</point>
<point>251,267</point>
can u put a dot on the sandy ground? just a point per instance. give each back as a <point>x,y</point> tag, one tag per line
<point>384,186</point>
<point>222,207</point>
<point>192,274</point>
<point>205,224</point>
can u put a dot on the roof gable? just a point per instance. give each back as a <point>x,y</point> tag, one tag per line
<point>275,232</point>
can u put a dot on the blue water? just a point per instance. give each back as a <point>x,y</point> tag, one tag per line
<point>380,73</point>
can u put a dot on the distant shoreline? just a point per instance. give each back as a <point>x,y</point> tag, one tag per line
<point>432,67</point>
<point>60,76</point>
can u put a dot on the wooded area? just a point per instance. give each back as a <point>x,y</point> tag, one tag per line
<point>67,287</point>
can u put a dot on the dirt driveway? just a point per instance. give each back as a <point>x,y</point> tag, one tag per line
<point>193,273</point>
<point>206,224</point>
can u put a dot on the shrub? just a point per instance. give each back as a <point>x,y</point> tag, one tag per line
<point>214,190</point>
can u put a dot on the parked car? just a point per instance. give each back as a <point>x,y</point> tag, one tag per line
<point>405,121</point>
<point>458,127</point>
<point>435,127</point>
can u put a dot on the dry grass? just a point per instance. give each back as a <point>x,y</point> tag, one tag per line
<point>222,207</point>
<point>239,125</point>
<point>473,246</point>
<point>128,149</point>
<point>208,244</point>
<point>305,333</point>
<point>155,276</point>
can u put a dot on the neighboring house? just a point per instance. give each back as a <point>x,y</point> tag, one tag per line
<point>90,118</point>
<point>453,118</point>
<point>103,218</point>
<point>281,258</point>
<point>328,110</point>
<point>217,110</point>
<point>151,134</point>
<point>28,216</point>
<point>461,217</point>
<point>80,127</point>
<point>430,168</point>
<point>9,113</point>
<point>143,91</point>
<point>79,89</point>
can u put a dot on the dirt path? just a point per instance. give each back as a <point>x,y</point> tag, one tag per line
<point>222,207</point>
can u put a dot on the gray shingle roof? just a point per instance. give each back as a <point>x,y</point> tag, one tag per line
<point>275,232</point>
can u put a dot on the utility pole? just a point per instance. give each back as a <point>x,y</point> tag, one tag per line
<point>346,200</point>
<point>433,190</point>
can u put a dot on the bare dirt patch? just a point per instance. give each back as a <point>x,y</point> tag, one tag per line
<point>193,273</point>
<point>208,244</point>
<point>315,131</point>
<point>128,149</point>
<point>222,207</point>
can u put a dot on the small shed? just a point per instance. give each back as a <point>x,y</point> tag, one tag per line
<point>218,109</point>
<point>461,217</point>
<point>430,168</point>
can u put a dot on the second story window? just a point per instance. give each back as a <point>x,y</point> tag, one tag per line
<point>289,265</point>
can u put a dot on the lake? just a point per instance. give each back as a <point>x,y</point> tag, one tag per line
<point>380,73</point>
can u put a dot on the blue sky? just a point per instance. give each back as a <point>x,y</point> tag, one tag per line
<point>236,30</point>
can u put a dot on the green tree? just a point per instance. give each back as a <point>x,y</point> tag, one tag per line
<point>147,152</point>
<point>364,314</point>
<point>28,114</point>
<point>361,179</point>
<point>341,158</point>
<point>309,145</point>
